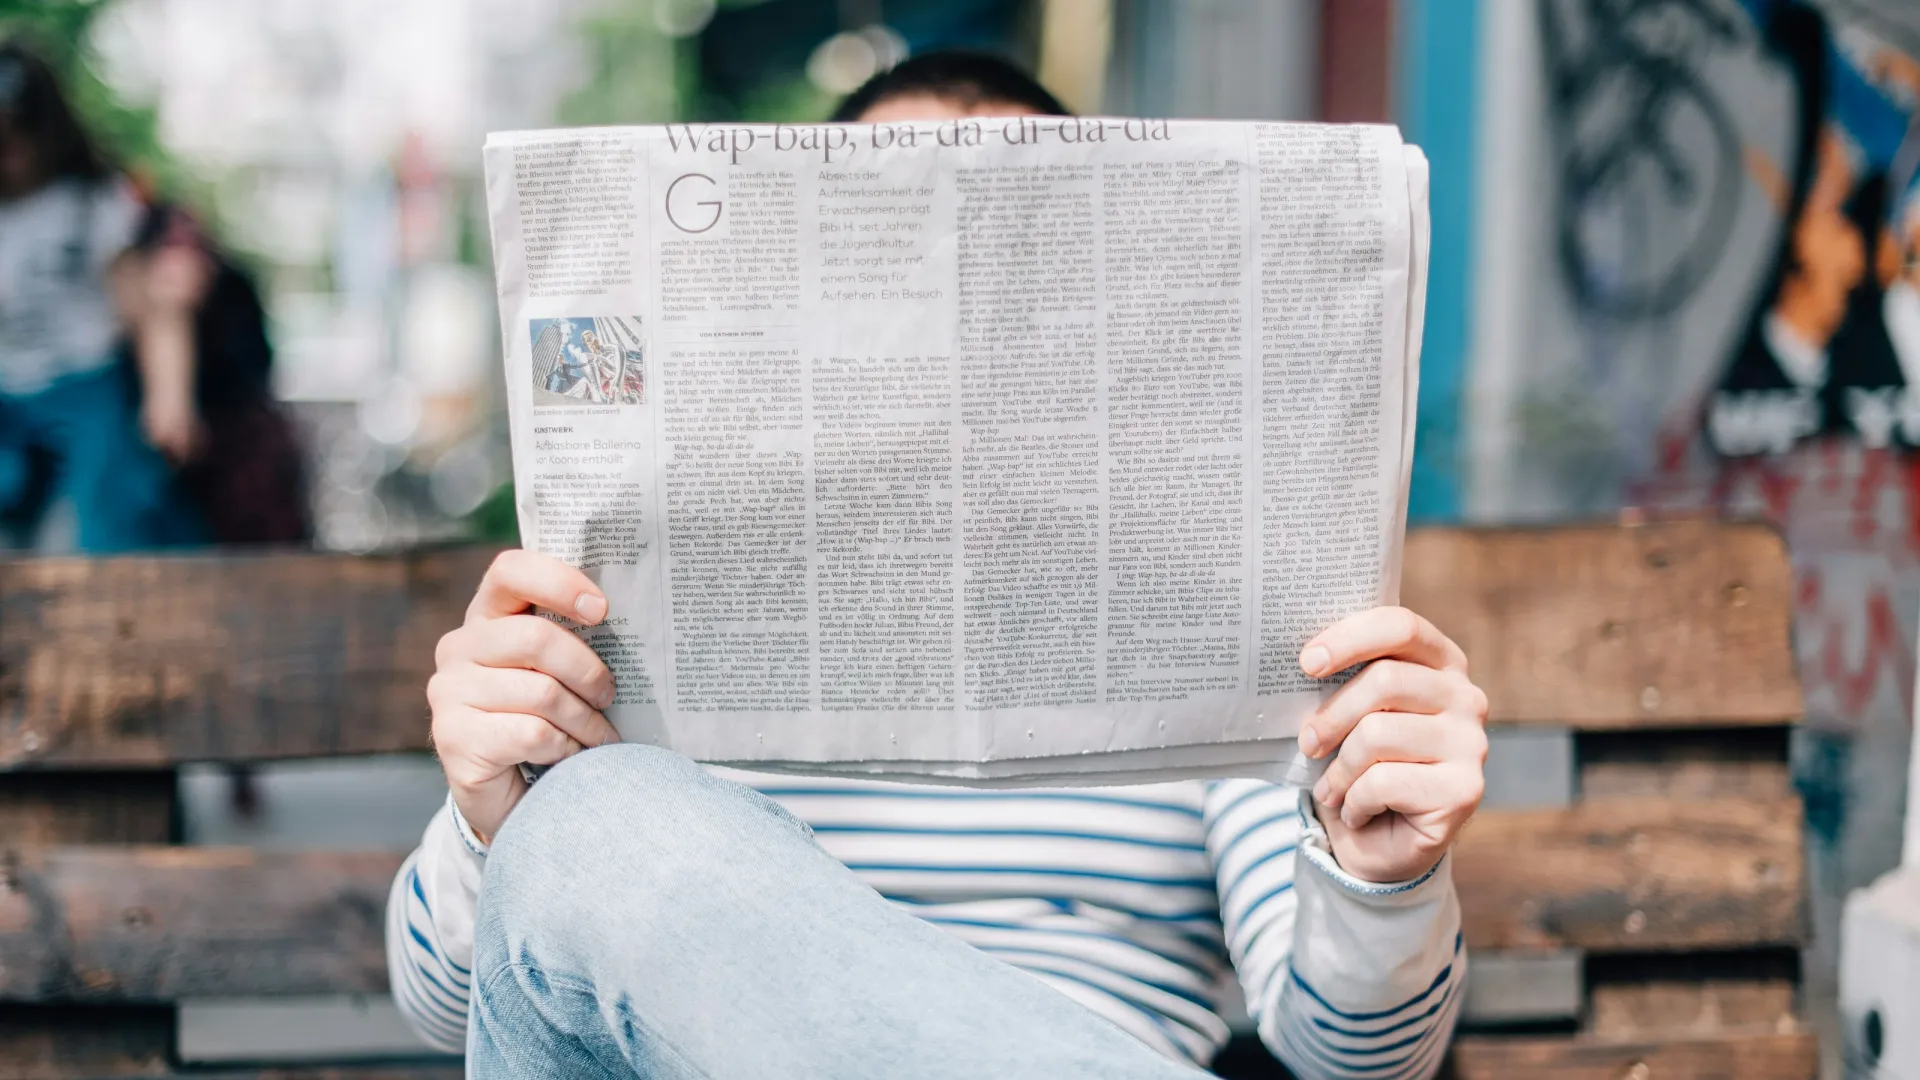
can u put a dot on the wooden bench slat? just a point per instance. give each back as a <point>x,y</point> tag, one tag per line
<point>1632,875</point>
<point>124,1043</point>
<point>1673,624</point>
<point>155,924</point>
<point>1678,995</point>
<point>42,1043</point>
<point>1671,1008</point>
<point>159,1070</point>
<point>158,924</point>
<point>115,807</point>
<point>1724,1057</point>
<point>149,661</point>
<point>141,662</point>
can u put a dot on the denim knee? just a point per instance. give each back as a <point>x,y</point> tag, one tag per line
<point>598,823</point>
<point>597,800</point>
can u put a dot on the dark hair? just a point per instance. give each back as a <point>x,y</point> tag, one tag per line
<point>970,78</point>
<point>30,96</point>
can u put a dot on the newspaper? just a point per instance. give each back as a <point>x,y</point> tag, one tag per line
<point>982,451</point>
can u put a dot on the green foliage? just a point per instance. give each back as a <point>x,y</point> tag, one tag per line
<point>496,519</point>
<point>634,73</point>
<point>792,100</point>
<point>128,134</point>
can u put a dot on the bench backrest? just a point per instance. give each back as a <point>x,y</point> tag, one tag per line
<point>1636,888</point>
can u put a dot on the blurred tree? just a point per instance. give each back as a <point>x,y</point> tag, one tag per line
<point>635,74</point>
<point>129,134</point>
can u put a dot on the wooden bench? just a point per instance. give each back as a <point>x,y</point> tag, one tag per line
<point>1634,900</point>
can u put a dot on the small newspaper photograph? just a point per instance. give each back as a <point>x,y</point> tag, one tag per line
<point>982,451</point>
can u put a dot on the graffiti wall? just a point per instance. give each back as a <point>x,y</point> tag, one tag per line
<point>1722,311</point>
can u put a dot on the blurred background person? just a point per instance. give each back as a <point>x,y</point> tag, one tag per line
<point>71,284</point>
<point>242,468</point>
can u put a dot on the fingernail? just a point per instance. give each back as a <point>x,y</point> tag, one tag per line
<point>1320,787</point>
<point>590,607</point>
<point>1314,659</point>
<point>1310,742</point>
<point>605,700</point>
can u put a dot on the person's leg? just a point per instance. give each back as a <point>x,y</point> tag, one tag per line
<point>25,474</point>
<point>124,494</point>
<point>639,917</point>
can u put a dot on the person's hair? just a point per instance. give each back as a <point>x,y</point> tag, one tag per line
<point>966,78</point>
<point>31,98</point>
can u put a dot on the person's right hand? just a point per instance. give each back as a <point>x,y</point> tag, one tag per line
<point>510,686</point>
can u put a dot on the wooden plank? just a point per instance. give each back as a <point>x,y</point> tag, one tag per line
<point>1726,1057</point>
<point>1749,763</point>
<point>153,924</point>
<point>156,924</point>
<point>1665,1009</point>
<point>331,1073</point>
<point>1672,624</point>
<point>1647,996</point>
<point>42,1043</point>
<point>82,808</point>
<point>1633,875</point>
<point>146,661</point>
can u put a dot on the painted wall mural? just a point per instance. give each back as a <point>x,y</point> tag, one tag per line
<point>1728,319</point>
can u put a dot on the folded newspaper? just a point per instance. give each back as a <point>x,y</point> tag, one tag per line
<point>990,451</point>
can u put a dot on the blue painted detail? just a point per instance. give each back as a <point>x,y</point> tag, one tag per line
<point>1437,102</point>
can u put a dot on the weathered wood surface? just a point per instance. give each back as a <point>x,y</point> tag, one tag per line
<point>1645,995</point>
<point>336,1072</point>
<point>146,661</point>
<point>1666,1009</point>
<point>40,1043</point>
<point>154,924</point>
<point>1725,1057</point>
<point>81,808</point>
<point>1673,624</point>
<point>1630,875</point>
<point>1748,763</point>
<point>122,1043</point>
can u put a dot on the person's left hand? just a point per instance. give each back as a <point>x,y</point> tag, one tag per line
<point>1408,735</point>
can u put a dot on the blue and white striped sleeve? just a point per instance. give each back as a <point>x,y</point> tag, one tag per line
<point>1344,978</point>
<point>430,915</point>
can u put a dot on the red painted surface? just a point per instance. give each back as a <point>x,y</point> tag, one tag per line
<point>1356,60</point>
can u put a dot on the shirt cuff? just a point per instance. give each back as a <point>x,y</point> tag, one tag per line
<point>1318,850</point>
<point>465,830</point>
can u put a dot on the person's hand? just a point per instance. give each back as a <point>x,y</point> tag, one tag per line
<point>1409,740</point>
<point>178,277</point>
<point>171,423</point>
<point>511,687</point>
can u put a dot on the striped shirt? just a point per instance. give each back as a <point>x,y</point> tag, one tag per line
<point>1140,903</point>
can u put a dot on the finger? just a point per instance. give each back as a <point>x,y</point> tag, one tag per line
<point>1405,737</point>
<point>529,641</point>
<point>519,581</point>
<point>1376,634</point>
<point>1383,686</point>
<point>477,746</point>
<point>516,690</point>
<point>1414,791</point>
<point>548,750</point>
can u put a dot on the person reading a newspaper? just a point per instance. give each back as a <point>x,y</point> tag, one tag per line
<point>633,914</point>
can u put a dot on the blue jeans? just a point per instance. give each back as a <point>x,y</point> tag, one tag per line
<point>639,917</point>
<point>85,430</point>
